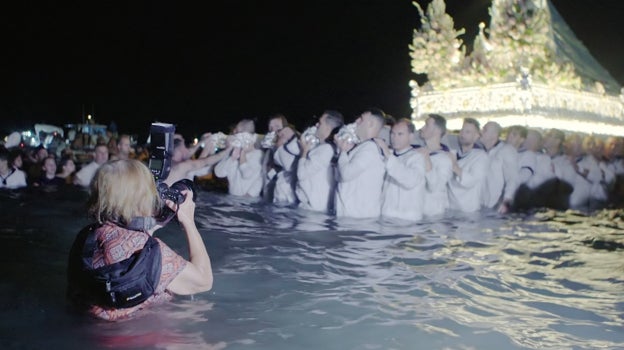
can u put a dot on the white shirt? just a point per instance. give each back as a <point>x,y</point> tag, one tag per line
<point>617,165</point>
<point>609,176</point>
<point>404,185</point>
<point>527,163</point>
<point>465,191</point>
<point>565,171</point>
<point>595,176</point>
<point>285,156</point>
<point>315,178</point>
<point>86,173</point>
<point>501,183</point>
<point>544,171</point>
<point>360,180</point>
<point>243,179</point>
<point>437,179</point>
<point>14,179</point>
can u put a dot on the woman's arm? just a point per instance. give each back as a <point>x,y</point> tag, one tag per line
<point>196,276</point>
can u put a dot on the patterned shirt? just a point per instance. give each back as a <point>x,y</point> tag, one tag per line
<point>114,244</point>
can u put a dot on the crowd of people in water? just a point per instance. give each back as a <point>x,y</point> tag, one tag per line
<point>374,166</point>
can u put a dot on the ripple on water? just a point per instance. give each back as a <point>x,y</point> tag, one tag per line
<point>291,279</point>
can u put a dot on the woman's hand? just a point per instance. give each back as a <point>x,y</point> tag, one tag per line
<point>185,210</point>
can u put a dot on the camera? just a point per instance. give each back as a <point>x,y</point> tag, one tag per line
<point>161,149</point>
<point>174,192</point>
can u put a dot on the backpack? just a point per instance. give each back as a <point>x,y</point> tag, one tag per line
<point>123,284</point>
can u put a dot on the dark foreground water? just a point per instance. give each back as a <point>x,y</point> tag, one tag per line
<point>289,279</point>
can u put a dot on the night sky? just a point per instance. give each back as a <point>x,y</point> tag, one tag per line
<point>204,68</point>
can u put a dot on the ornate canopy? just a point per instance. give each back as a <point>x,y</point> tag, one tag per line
<point>527,67</point>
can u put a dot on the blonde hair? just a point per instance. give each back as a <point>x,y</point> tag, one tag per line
<point>121,190</point>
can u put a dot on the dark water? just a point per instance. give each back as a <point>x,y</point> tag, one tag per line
<point>290,279</point>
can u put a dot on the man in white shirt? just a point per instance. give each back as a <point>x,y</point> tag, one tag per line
<point>85,174</point>
<point>470,167</point>
<point>269,171</point>
<point>316,183</point>
<point>438,165</point>
<point>535,170</point>
<point>596,171</point>
<point>285,158</point>
<point>527,160</point>
<point>10,177</point>
<point>361,169</point>
<point>501,183</point>
<point>124,148</point>
<point>556,191</point>
<point>404,183</point>
<point>243,166</point>
<point>576,175</point>
<point>541,166</point>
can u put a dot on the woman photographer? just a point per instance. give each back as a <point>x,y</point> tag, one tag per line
<point>123,202</point>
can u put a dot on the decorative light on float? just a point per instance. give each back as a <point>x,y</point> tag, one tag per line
<point>538,106</point>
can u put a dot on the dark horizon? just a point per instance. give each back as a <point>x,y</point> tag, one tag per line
<point>203,70</point>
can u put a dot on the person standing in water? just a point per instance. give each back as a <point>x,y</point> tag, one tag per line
<point>316,182</point>
<point>123,203</point>
<point>361,169</point>
<point>404,182</point>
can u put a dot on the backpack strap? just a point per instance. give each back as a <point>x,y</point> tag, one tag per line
<point>125,283</point>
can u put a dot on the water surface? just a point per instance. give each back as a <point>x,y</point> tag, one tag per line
<point>292,279</point>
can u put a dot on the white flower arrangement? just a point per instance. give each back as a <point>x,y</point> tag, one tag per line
<point>347,133</point>
<point>243,140</point>
<point>218,140</point>
<point>309,135</point>
<point>269,140</point>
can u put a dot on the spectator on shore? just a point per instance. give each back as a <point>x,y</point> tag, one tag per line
<point>67,170</point>
<point>122,148</point>
<point>34,162</point>
<point>85,174</point>
<point>10,177</point>
<point>48,177</point>
<point>16,158</point>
